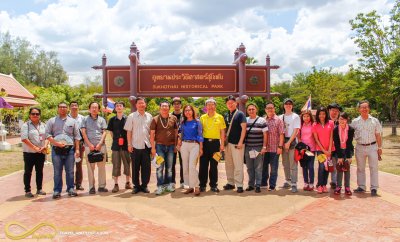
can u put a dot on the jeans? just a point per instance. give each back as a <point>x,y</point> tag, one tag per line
<point>177,155</point>
<point>322,173</point>
<point>308,170</point>
<point>254,166</point>
<point>270,159</point>
<point>334,173</point>
<point>60,161</point>
<point>166,152</point>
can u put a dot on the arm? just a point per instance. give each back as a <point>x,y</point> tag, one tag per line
<point>287,144</point>
<point>103,138</point>
<point>319,143</point>
<point>379,142</point>
<point>265,141</point>
<point>222,139</point>
<point>242,135</point>
<point>85,138</point>
<point>281,142</point>
<point>152,142</point>
<point>129,138</point>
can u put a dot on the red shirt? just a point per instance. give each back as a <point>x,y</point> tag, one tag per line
<point>324,134</point>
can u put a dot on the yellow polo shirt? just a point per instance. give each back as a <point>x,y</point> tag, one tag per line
<point>212,125</point>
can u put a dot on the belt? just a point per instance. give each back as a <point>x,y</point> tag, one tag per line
<point>211,140</point>
<point>190,141</point>
<point>369,144</point>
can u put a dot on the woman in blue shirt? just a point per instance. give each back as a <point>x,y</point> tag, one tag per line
<point>190,144</point>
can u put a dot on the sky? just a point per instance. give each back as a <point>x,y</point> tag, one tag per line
<point>297,34</point>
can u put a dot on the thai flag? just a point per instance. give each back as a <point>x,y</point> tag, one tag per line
<point>307,105</point>
<point>110,106</point>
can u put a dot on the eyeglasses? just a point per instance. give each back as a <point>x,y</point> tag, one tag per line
<point>35,114</point>
<point>188,110</point>
<point>62,107</point>
<point>251,109</point>
<point>270,108</point>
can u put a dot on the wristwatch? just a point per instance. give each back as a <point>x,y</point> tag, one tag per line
<point>280,146</point>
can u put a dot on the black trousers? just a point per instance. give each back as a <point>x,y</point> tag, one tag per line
<point>141,164</point>
<point>206,160</point>
<point>33,160</point>
<point>176,155</point>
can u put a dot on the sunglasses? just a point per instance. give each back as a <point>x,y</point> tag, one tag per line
<point>35,114</point>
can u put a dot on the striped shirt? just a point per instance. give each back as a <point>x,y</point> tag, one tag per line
<point>275,129</point>
<point>140,127</point>
<point>365,130</point>
<point>255,138</point>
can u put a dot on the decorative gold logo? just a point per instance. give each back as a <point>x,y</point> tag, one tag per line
<point>32,231</point>
<point>254,80</point>
<point>119,81</point>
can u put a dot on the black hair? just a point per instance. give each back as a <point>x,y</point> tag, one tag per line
<point>319,110</point>
<point>230,97</point>
<point>72,102</point>
<point>268,103</point>
<point>165,101</point>
<point>140,98</point>
<point>61,103</point>
<point>251,104</point>
<point>119,102</point>
<point>35,108</point>
<point>362,102</point>
<point>193,112</point>
<point>344,115</point>
<point>90,104</point>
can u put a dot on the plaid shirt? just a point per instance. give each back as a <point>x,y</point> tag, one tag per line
<point>275,129</point>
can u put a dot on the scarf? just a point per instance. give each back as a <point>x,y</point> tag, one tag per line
<point>343,135</point>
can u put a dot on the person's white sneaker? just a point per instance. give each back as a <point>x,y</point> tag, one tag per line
<point>170,188</point>
<point>160,190</point>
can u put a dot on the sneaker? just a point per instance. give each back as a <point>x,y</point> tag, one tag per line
<point>92,190</point>
<point>358,190</point>
<point>102,189</point>
<point>286,185</point>
<point>72,193</point>
<point>160,190</point>
<point>306,187</point>
<point>189,190</point>
<point>294,189</point>
<point>215,189</point>
<point>145,190</point>
<point>135,190</point>
<point>347,191</point>
<point>337,190</point>
<point>40,192</point>
<point>79,187</point>
<point>264,187</point>
<point>239,190</point>
<point>28,194</point>
<point>196,191</point>
<point>258,190</point>
<point>311,188</point>
<point>333,185</point>
<point>128,185</point>
<point>202,189</point>
<point>56,195</point>
<point>324,189</point>
<point>374,193</point>
<point>229,187</point>
<point>182,186</point>
<point>319,189</point>
<point>249,188</point>
<point>271,189</point>
<point>115,189</point>
<point>170,188</point>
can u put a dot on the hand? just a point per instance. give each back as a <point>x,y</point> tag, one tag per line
<point>221,147</point>
<point>279,151</point>
<point>77,155</point>
<point>153,151</point>
<point>130,149</point>
<point>263,151</point>
<point>61,145</point>
<point>177,148</point>
<point>327,153</point>
<point>340,161</point>
<point>91,147</point>
<point>349,159</point>
<point>287,146</point>
<point>239,146</point>
<point>200,152</point>
<point>38,149</point>
<point>98,147</point>
<point>379,152</point>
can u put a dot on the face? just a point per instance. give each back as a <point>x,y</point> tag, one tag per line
<point>231,105</point>
<point>270,110</point>
<point>188,112</point>
<point>342,121</point>
<point>74,107</point>
<point>62,109</point>
<point>210,107</point>
<point>94,109</point>
<point>322,116</point>
<point>306,118</point>
<point>34,115</point>
<point>141,105</point>
<point>364,109</point>
<point>288,106</point>
<point>252,111</point>
<point>164,108</point>
<point>177,106</point>
<point>119,108</point>
<point>334,113</point>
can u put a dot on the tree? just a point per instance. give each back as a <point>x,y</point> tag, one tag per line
<point>380,58</point>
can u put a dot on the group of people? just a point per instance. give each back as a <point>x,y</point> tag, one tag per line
<point>139,140</point>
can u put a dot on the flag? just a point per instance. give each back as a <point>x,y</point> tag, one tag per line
<point>307,105</point>
<point>110,106</point>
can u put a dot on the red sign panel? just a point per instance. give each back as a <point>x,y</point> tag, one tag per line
<point>256,80</point>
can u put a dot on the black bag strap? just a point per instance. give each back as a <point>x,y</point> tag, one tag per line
<point>251,126</point>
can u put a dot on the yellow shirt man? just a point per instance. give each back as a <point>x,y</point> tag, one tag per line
<point>212,125</point>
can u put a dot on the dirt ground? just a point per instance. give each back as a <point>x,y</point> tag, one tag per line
<point>11,161</point>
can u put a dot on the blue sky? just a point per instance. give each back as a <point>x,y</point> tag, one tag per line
<point>298,34</point>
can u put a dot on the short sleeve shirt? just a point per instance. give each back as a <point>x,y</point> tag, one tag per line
<point>365,130</point>
<point>275,129</point>
<point>307,136</point>
<point>291,123</point>
<point>139,125</point>
<point>236,129</point>
<point>94,128</point>
<point>116,126</point>
<point>255,138</point>
<point>324,134</point>
<point>35,134</point>
<point>164,129</point>
<point>67,126</point>
<point>212,125</point>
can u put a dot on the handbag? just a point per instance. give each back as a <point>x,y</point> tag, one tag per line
<point>95,156</point>
<point>229,129</point>
<point>62,151</point>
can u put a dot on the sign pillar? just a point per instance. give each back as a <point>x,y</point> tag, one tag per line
<point>134,59</point>
<point>241,58</point>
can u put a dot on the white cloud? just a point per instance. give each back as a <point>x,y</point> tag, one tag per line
<point>197,32</point>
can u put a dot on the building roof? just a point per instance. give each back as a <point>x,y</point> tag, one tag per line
<point>17,95</point>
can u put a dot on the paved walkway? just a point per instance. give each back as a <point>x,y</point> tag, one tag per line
<point>227,216</point>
